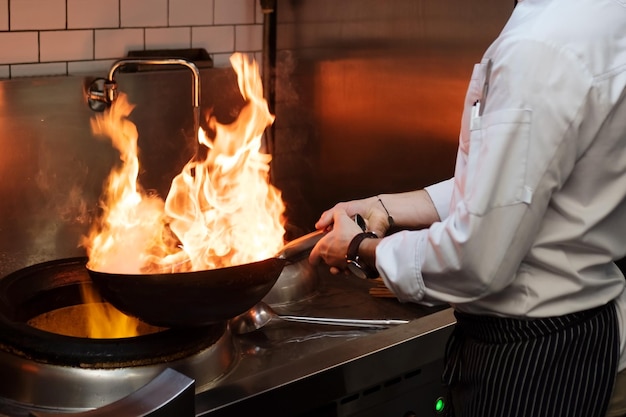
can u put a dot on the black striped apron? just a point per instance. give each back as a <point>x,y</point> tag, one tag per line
<point>550,367</point>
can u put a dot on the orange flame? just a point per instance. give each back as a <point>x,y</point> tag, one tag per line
<point>103,321</point>
<point>223,209</point>
<point>220,210</point>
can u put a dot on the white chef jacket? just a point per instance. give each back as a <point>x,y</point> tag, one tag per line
<point>536,211</point>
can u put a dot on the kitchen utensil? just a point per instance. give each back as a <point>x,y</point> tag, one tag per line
<point>198,298</point>
<point>261,314</point>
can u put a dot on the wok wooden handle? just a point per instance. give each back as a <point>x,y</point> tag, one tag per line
<point>294,249</point>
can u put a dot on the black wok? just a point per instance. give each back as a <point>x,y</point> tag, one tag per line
<point>198,298</point>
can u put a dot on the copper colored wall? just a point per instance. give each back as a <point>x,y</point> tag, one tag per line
<point>369,94</point>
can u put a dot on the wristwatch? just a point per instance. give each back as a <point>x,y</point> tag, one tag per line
<point>355,264</point>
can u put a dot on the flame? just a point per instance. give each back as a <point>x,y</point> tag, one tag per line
<point>103,321</point>
<point>221,210</point>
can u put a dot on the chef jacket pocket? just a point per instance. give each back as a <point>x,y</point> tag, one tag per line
<point>474,94</point>
<point>475,87</point>
<point>498,161</point>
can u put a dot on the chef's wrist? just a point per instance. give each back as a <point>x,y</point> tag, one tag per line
<point>355,262</point>
<point>367,251</point>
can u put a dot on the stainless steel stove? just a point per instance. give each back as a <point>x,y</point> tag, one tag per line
<point>298,369</point>
<point>283,369</point>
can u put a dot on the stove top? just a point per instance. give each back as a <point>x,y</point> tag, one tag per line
<point>288,368</point>
<point>330,364</point>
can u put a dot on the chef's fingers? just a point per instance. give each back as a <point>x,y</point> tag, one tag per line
<point>315,256</point>
<point>332,248</point>
<point>326,219</point>
<point>349,208</point>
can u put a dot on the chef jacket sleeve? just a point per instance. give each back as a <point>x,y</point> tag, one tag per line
<point>440,194</point>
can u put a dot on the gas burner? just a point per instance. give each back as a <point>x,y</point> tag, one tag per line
<point>51,370</point>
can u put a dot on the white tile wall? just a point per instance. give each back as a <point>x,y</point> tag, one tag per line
<point>4,14</point>
<point>233,12</point>
<point>19,47</point>
<point>89,67</point>
<point>143,13</point>
<point>214,38</point>
<point>190,12</point>
<point>248,38</point>
<point>168,38</point>
<point>116,43</point>
<point>67,37</point>
<point>67,45</point>
<point>88,14</point>
<point>37,14</point>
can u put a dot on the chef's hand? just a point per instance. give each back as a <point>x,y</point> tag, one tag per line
<point>376,219</point>
<point>332,248</point>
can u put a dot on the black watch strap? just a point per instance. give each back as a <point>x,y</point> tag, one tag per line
<point>352,257</point>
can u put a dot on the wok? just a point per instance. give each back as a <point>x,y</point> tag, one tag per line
<point>198,298</point>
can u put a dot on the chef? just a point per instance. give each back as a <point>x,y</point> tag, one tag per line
<point>521,242</point>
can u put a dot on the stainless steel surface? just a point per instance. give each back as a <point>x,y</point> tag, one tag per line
<point>334,366</point>
<point>369,94</point>
<point>261,314</point>
<point>39,385</point>
<point>297,281</point>
<point>169,394</point>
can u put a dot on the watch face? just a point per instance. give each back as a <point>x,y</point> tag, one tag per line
<point>356,269</point>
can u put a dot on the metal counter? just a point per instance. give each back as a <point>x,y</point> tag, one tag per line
<point>292,369</point>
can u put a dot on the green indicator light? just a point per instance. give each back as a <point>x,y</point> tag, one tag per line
<point>440,404</point>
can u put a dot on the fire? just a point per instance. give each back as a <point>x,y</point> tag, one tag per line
<point>221,210</point>
<point>103,321</point>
